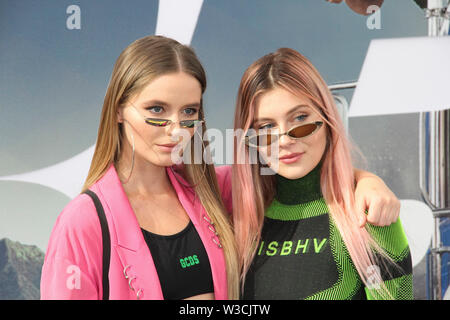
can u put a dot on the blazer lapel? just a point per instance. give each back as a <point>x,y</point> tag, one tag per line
<point>138,266</point>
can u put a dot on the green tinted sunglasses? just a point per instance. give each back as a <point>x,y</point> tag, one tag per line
<point>188,124</point>
<point>165,122</point>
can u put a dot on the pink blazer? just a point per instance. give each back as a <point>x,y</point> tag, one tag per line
<point>73,262</point>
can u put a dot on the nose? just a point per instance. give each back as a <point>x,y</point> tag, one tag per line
<point>285,140</point>
<point>176,133</point>
<point>172,126</point>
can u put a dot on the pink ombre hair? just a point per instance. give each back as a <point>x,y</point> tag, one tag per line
<point>252,193</point>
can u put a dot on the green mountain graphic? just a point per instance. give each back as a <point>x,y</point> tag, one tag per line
<point>20,270</point>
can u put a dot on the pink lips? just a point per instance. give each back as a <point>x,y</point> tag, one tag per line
<point>167,147</point>
<point>291,158</point>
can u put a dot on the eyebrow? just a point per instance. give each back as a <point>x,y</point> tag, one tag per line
<point>294,109</point>
<point>162,103</point>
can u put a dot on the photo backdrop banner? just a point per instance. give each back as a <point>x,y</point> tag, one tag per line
<point>56,58</point>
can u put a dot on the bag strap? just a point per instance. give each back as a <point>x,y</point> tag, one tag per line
<point>106,242</point>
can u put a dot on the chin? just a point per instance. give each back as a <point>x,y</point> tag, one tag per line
<point>292,173</point>
<point>162,161</point>
<point>297,170</point>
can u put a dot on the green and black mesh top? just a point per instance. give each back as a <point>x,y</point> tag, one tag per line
<point>302,255</point>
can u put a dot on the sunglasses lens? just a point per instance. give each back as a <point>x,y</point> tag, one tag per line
<point>303,131</point>
<point>189,123</point>
<point>265,139</point>
<point>261,140</point>
<point>157,122</point>
<point>164,122</point>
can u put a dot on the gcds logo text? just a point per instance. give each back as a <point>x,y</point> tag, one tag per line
<point>189,261</point>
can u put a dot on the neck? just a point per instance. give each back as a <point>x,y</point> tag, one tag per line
<point>145,178</point>
<point>301,190</point>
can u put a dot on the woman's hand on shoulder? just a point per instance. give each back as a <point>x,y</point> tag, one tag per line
<point>373,195</point>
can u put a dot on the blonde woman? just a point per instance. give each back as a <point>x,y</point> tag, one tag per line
<point>167,240</point>
<point>166,225</point>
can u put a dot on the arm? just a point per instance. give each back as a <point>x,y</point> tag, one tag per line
<point>372,195</point>
<point>397,272</point>
<point>72,265</point>
<point>63,279</point>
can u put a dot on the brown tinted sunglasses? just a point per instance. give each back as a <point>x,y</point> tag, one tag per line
<point>297,132</point>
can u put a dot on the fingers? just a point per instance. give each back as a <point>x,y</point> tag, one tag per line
<point>395,205</point>
<point>360,209</point>
<point>383,211</point>
<point>362,219</point>
<point>391,211</point>
<point>383,207</point>
<point>375,214</point>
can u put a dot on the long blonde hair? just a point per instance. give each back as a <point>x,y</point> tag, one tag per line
<point>252,193</point>
<point>140,63</point>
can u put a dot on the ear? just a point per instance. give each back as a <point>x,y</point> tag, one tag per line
<point>120,115</point>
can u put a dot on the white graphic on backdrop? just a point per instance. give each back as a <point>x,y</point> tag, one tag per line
<point>417,222</point>
<point>66,177</point>
<point>176,20</point>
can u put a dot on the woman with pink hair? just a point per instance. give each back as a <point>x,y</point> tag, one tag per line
<point>298,230</point>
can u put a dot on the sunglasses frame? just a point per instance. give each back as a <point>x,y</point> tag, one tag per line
<point>279,135</point>
<point>189,124</point>
<point>156,122</point>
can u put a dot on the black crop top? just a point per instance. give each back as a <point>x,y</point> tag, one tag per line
<point>181,262</point>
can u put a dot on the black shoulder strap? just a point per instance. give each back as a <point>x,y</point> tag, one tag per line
<point>106,242</point>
